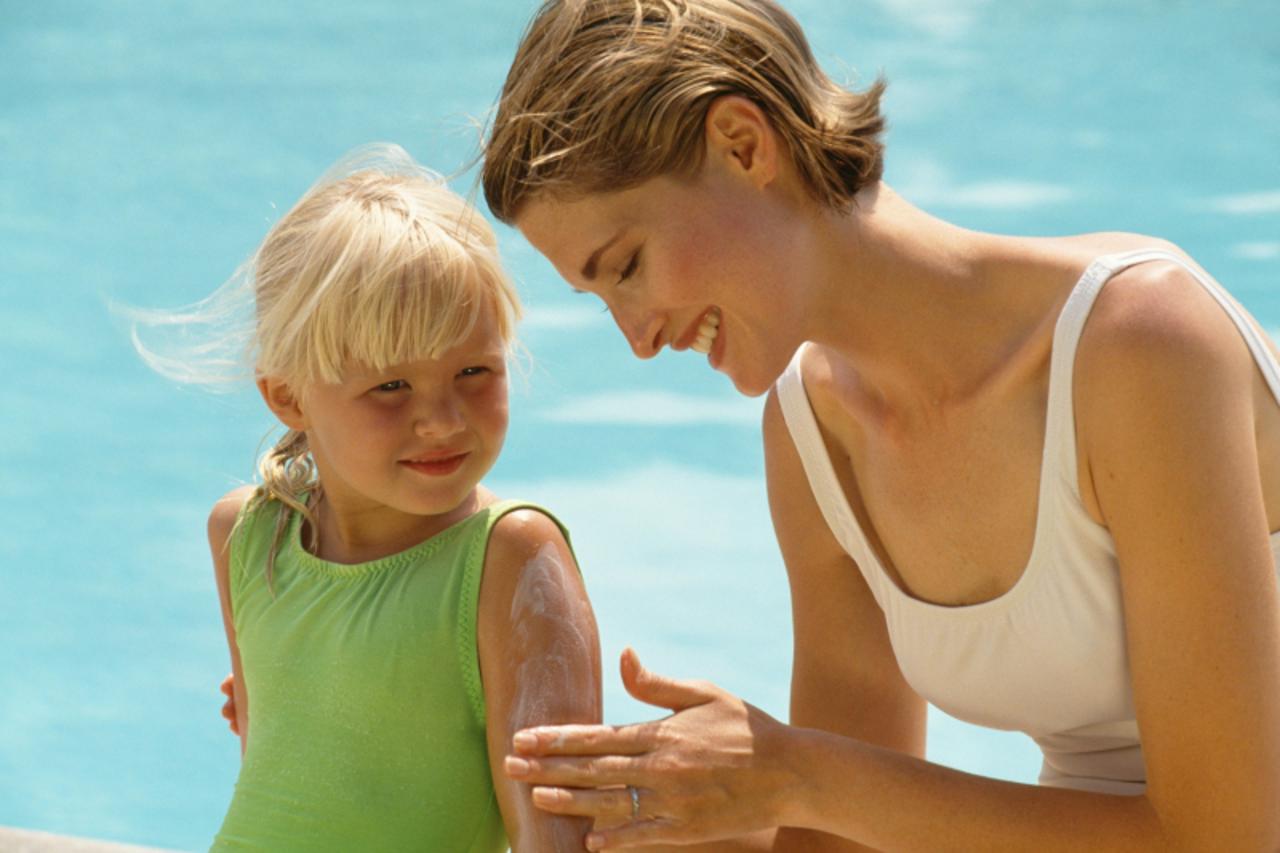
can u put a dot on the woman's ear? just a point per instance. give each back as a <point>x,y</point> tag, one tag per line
<point>282,401</point>
<point>741,135</point>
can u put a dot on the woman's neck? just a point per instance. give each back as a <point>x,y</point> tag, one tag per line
<point>930,315</point>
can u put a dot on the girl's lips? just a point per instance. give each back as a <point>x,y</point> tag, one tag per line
<point>438,467</point>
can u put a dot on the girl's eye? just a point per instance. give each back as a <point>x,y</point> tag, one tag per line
<point>630,268</point>
<point>476,370</point>
<point>393,385</point>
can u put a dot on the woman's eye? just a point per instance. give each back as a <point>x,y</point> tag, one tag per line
<point>393,385</point>
<point>630,268</point>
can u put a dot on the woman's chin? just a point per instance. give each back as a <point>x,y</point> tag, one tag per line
<point>755,382</point>
<point>750,386</point>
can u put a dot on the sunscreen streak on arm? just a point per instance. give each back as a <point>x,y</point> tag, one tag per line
<point>547,672</point>
<point>548,644</point>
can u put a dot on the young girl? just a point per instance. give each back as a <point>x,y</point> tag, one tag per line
<point>391,621</point>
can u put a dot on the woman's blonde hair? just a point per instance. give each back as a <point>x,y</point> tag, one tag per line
<point>605,94</point>
<point>379,263</point>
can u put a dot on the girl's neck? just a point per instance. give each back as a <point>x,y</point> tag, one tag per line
<point>931,315</point>
<point>352,529</point>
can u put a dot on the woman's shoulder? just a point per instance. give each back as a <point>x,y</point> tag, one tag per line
<point>1155,312</point>
<point>1097,243</point>
<point>1157,339</point>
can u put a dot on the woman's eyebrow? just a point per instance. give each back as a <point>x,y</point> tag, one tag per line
<point>589,268</point>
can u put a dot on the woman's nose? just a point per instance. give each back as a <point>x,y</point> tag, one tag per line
<point>643,332</point>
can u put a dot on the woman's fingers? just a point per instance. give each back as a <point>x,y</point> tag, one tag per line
<point>696,775</point>
<point>648,687</point>
<point>228,689</point>
<point>592,772</point>
<point>654,689</point>
<point>617,821</point>
<point>610,804</point>
<point>583,740</point>
<point>642,832</point>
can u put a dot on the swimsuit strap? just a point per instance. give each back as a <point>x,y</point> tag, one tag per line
<point>1061,421</point>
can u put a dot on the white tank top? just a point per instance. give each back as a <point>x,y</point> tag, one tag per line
<point>1048,657</point>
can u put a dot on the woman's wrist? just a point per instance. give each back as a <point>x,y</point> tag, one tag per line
<point>814,762</point>
<point>797,753</point>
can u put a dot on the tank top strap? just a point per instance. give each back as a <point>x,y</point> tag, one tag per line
<point>1060,425</point>
<point>823,482</point>
<point>1059,438</point>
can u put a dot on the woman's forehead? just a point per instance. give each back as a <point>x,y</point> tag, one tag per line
<point>569,230</point>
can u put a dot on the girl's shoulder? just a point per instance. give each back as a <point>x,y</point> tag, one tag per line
<point>528,550</point>
<point>521,532</point>
<point>226,514</point>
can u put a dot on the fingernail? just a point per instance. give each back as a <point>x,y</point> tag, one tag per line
<point>545,796</point>
<point>594,842</point>
<point>516,766</point>
<point>524,740</point>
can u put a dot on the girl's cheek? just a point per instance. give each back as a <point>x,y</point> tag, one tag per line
<point>492,393</point>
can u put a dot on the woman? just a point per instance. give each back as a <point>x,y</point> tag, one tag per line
<point>1038,502</point>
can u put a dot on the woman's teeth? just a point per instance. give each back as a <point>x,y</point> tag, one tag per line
<point>707,332</point>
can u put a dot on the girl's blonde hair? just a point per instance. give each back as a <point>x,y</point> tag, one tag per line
<point>379,263</point>
<point>605,94</point>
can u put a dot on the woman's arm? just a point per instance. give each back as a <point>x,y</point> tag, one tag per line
<point>845,680</point>
<point>845,677</point>
<point>539,660</point>
<point>222,520</point>
<point>1167,393</point>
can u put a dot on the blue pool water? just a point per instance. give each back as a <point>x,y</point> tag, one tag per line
<point>145,147</point>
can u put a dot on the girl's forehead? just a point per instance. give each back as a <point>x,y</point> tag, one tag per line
<point>484,340</point>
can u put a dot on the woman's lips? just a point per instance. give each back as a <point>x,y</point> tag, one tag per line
<point>708,330</point>
<point>438,466</point>
<point>715,353</point>
<point>700,333</point>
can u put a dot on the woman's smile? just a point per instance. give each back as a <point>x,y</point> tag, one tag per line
<point>708,331</point>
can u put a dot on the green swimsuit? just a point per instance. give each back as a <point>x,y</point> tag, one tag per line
<point>368,722</point>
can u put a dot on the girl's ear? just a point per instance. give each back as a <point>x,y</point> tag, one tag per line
<point>282,401</point>
<point>739,134</point>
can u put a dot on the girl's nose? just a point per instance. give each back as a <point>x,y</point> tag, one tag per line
<point>644,333</point>
<point>438,416</point>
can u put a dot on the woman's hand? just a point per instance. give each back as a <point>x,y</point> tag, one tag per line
<point>228,688</point>
<point>711,770</point>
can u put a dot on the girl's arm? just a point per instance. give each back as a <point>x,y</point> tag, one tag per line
<point>1166,393</point>
<point>222,520</point>
<point>539,659</point>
